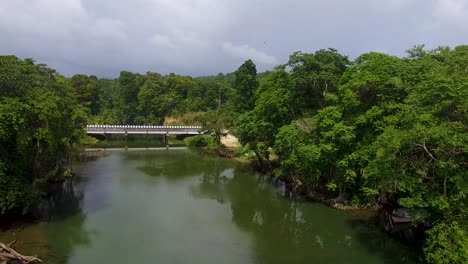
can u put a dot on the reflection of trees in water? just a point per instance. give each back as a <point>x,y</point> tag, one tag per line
<point>89,155</point>
<point>65,237</point>
<point>64,231</point>
<point>173,165</point>
<point>256,208</point>
<point>283,231</point>
<point>63,202</point>
<point>212,182</point>
<point>374,239</point>
<point>276,225</point>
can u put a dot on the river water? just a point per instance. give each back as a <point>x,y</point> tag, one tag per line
<point>181,206</point>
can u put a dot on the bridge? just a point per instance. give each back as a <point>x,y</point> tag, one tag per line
<point>127,130</point>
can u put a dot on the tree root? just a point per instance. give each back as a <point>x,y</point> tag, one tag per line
<point>337,200</point>
<point>7,254</point>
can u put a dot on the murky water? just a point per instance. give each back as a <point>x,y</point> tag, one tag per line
<point>179,206</point>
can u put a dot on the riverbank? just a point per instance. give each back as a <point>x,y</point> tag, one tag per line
<point>230,147</point>
<point>15,217</point>
<point>313,196</point>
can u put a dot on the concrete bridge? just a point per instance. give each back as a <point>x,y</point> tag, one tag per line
<point>127,130</point>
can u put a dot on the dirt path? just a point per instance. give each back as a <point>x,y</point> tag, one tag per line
<point>230,141</point>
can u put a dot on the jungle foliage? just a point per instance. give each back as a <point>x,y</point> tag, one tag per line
<point>374,127</point>
<point>41,119</point>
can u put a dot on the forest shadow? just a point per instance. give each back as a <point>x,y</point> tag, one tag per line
<point>391,248</point>
<point>56,227</point>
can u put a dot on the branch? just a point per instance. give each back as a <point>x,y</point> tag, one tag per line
<point>427,151</point>
<point>7,253</point>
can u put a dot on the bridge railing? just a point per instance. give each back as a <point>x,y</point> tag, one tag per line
<point>141,129</point>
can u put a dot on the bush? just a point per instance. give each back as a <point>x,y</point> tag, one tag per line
<point>202,141</point>
<point>447,243</point>
<point>89,141</point>
<point>15,192</point>
<point>244,151</point>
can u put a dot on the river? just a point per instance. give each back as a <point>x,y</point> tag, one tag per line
<point>181,206</point>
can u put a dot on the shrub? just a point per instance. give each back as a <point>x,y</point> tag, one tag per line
<point>447,243</point>
<point>201,141</point>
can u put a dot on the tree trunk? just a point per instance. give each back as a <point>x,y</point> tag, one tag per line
<point>260,160</point>
<point>445,186</point>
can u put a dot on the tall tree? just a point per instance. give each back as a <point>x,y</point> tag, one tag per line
<point>273,109</point>
<point>316,75</point>
<point>130,84</point>
<point>245,84</point>
<point>86,90</point>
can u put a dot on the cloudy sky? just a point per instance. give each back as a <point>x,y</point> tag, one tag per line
<point>204,37</point>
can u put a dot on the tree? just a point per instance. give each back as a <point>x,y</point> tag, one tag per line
<point>86,91</point>
<point>130,84</point>
<point>245,84</point>
<point>315,75</point>
<point>273,109</point>
<point>153,105</point>
<point>39,123</point>
<point>447,243</point>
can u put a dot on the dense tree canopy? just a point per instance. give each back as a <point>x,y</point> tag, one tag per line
<point>40,120</point>
<point>245,85</point>
<point>148,99</point>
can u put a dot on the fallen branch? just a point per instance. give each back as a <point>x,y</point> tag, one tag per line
<point>8,254</point>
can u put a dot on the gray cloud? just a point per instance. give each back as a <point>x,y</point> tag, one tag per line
<point>200,37</point>
<point>245,52</point>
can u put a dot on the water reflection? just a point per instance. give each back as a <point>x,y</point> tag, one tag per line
<point>172,164</point>
<point>283,230</point>
<point>374,240</point>
<point>61,210</point>
<point>303,232</point>
<point>179,206</point>
<point>62,202</point>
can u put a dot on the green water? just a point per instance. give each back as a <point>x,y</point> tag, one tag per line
<point>138,141</point>
<point>179,206</point>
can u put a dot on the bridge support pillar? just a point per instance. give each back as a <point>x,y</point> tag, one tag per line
<point>126,139</point>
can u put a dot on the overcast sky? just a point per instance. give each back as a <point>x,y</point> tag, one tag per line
<point>204,37</point>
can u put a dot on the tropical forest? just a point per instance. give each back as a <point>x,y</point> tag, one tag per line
<point>346,138</point>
